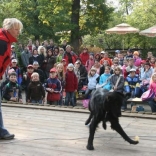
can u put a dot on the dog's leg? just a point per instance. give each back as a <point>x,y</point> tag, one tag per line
<point>116,126</point>
<point>89,119</point>
<point>92,129</point>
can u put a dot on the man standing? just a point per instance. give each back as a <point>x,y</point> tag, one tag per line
<point>8,34</point>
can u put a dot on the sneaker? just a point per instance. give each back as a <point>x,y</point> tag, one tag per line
<point>8,136</point>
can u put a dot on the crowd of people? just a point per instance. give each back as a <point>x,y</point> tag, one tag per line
<point>58,70</point>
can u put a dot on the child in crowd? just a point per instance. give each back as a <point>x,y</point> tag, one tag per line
<point>12,91</point>
<point>152,61</point>
<point>105,78</point>
<point>97,65</point>
<point>64,65</point>
<point>131,87</point>
<point>89,62</point>
<point>117,80</point>
<point>53,87</point>
<point>61,77</point>
<point>17,70</point>
<point>137,59</point>
<point>71,85</point>
<point>60,55</point>
<point>125,64</point>
<point>93,79</point>
<point>36,93</point>
<point>26,79</point>
<point>152,86</point>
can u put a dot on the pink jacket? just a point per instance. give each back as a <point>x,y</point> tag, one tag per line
<point>153,86</point>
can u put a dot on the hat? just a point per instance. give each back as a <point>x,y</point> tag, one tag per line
<point>12,46</point>
<point>52,70</point>
<point>117,51</point>
<point>63,60</point>
<point>132,70</point>
<point>30,66</point>
<point>136,53</point>
<point>92,54</point>
<point>14,60</point>
<point>130,50</point>
<point>102,52</point>
<point>35,62</point>
<point>70,65</point>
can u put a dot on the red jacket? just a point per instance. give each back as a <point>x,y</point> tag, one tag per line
<point>5,50</point>
<point>73,57</point>
<point>71,83</point>
<point>84,57</point>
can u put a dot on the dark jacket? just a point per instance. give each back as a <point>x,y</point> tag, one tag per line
<point>12,90</point>
<point>35,91</point>
<point>50,63</point>
<point>32,59</point>
<point>5,50</point>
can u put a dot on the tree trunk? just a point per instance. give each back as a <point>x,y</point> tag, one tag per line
<point>75,22</point>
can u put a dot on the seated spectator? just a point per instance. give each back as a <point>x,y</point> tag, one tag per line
<point>115,64</point>
<point>93,79</point>
<point>97,65</point>
<point>129,54</point>
<point>105,78</point>
<point>60,55</point>
<point>152,61</point>
<point>102,68</point>
<point>39,71</point>
<point>84,56</point>
<point>137,59</point>
<point>53,87</point>
<point>12,91</point>
<point>146,76</point>
<point>17,70</point>
<point>97,57</point>
<point>152,86</point>
<point>106,58</point>
<point>71,85</point>
<point>131,66</point>
<point>36,92</point>
<point>125,64</point>
<point>131,87</point>
<point>26,79</point>
<point>142,69</point>
<point>90,62</point>
<point>121,58</point>
<point>149,55</point>
<point>102,55</point>
<point>116,85</point>
<point>117,52</point>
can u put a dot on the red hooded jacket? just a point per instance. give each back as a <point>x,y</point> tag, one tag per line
<point>5,50</point>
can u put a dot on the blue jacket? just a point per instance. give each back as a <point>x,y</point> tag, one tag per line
<point>103,78</point>
<point>92,81</point>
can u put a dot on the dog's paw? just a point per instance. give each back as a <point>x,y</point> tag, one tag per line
<point>90,147</point>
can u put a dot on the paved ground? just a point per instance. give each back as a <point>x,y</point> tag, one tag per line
<point>54,133</point>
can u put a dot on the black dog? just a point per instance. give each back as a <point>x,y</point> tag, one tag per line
<point>105,107</point>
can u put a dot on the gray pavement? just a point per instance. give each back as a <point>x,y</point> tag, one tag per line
<point>53,133</point>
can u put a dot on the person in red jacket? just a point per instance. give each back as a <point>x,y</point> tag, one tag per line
<point>106,58</point>
<point>8,34</point>
<point>84,56</point>
<point>71,85</point>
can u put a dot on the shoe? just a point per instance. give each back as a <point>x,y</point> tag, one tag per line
<point>8,136</point>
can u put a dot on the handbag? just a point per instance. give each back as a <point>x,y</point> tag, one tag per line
<point>148,95</point>
<point>116,84</point>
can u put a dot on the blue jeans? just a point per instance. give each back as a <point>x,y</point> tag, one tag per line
<point>70,98</point>
<point>152,104</point>
<point>3,131</point>
<point>36,101</point>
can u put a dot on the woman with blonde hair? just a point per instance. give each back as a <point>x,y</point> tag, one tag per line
<point>12,27</point>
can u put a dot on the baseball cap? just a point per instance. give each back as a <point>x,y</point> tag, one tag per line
<point>52,70</point>
<point>63,60</point>
<point>70,65</point>
<point>35,62</point>
<point>132,70</point>
<point>117,51</point>
<point>14,60</point>
<point>30,66</point>
<point>12,46</point>
<point>102,52</point>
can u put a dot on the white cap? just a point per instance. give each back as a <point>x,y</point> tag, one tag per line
<point>132,70</point>
<point>70,65</point>
<point>14,60</point>
<point>35,62</point>
<point>102,52</point>
<point>12,46</point>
